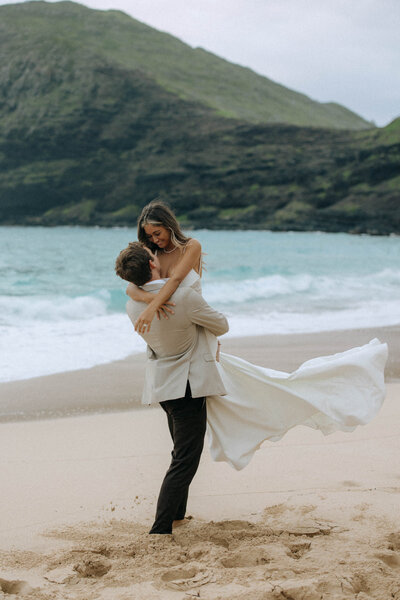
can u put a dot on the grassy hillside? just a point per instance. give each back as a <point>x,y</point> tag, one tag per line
<point>191,74</point>
<point>88,139</point>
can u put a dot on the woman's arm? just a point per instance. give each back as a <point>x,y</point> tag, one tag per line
<point>189,260</point>
<point>139,295</point>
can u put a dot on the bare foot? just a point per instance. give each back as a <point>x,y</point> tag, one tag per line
<point>181,522</point>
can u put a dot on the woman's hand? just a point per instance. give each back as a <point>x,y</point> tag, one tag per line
<point>143,322</point>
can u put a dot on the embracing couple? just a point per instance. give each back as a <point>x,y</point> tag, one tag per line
<point>181,370</point>
<point>242,404</point>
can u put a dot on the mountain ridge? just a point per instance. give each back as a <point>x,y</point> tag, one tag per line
<point>193,74</point>
<point>88,140</point>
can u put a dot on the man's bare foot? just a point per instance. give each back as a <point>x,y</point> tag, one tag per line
<point>181,522</point>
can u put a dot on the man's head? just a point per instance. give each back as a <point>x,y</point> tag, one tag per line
<point>137,264</point>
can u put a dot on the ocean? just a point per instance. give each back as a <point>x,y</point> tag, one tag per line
<point>63,308</point>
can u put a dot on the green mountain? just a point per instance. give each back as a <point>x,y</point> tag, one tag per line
<point>191,74</point>
<point>99,114</point>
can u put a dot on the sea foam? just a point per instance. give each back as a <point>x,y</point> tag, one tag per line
<point>63,308</point>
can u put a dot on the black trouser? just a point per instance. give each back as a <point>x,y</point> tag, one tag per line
<point>187,420</point>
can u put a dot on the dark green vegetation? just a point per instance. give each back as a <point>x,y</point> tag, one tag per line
<point>99,114</point>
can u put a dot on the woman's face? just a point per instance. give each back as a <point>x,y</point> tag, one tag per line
<point>159,235</point>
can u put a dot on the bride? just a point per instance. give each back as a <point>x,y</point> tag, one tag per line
<point>328,393</point>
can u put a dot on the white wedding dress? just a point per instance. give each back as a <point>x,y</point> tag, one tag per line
<point>328,393</point>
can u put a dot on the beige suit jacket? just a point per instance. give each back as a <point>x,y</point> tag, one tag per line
<point>178,349</point>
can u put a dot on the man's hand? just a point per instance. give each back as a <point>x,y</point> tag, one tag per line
<point>164,309</point>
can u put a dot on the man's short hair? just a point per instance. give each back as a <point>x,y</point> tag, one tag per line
<point>133,264</point>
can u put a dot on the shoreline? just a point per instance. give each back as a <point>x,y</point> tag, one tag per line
<point>189,227</point>
<point>117,386</point>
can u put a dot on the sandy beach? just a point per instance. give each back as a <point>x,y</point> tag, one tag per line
<point>311,517</point>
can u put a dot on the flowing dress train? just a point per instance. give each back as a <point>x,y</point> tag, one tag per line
<point>328,393</point>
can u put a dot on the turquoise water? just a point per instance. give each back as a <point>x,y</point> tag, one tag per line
<point>62,307</point>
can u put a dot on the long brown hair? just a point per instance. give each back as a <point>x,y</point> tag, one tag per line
<point>159,214</point>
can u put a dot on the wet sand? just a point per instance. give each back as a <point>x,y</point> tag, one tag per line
<point>118,386</point>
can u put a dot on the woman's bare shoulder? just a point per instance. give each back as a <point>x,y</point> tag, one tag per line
<point>193,243</point>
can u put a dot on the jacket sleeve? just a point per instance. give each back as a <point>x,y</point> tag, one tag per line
<point>201,313</point>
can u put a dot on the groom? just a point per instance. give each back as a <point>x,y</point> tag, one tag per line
<point>180,373</point>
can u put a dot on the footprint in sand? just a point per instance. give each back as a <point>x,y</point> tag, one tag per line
<point>391,559</point>
<point>177,574</point>
<point>15,587</point>
<point>291,589</point>
<point>359,583</point>
<point>394,540</point>
<point>219,540</point>
<point>92,566</point>
<point>222,533</point>
<point>234,524</point>
<point>184,578</point>
<point>276,510</point>
<point>311,530</point>
<point>297,549</point>
<point>62,575</point>
<point>250,558</point>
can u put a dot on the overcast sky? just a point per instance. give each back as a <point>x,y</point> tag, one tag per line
<point>346,51</point>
